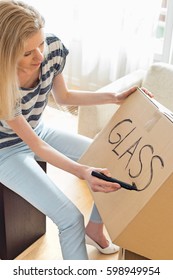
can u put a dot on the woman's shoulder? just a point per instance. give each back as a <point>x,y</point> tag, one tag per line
<point>55,54</point>
<point>55,44</point>
<point>51,38</point>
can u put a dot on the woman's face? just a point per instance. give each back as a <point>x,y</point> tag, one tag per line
<point>33,52</point>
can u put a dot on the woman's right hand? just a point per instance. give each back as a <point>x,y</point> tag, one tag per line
<point>100,185</point>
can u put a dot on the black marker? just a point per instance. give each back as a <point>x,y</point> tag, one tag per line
<point>113,180</point>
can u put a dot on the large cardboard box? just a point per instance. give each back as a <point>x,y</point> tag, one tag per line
<point>137,146</point>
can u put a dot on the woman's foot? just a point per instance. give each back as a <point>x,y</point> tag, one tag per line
<point>96,238</point>
<point>110,249</point>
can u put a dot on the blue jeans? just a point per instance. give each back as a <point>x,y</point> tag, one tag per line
<point>21,173</point>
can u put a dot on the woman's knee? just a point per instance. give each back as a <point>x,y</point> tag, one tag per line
<point>75,219</point>
<point>70,218</point>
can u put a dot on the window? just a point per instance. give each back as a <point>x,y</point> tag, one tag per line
<point>164,31</point>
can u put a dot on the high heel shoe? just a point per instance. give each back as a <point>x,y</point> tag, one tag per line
<point>111,249</point>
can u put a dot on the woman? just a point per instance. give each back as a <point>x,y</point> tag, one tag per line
<point>31,66</point>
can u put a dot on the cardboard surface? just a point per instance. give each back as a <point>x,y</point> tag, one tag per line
<point>136,146</point>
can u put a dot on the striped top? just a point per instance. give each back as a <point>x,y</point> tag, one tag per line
<point>34,100</point>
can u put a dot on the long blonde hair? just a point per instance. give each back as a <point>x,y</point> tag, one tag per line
<point>18,21</point>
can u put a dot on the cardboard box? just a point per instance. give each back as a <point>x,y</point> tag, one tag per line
<point>136,146</point>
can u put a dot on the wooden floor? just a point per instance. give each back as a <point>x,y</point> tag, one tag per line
<point>47,247</point>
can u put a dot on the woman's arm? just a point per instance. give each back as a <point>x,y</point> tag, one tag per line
<point>64,96</point>
<point>49,154</point>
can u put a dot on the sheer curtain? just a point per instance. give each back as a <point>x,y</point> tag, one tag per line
<point>106,38</point>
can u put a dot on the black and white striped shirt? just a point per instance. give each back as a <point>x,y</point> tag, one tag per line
<point>34,100</point>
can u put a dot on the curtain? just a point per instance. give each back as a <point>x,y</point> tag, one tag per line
<point>106,38</point>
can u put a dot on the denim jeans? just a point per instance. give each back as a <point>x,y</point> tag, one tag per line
<point>21,173</point>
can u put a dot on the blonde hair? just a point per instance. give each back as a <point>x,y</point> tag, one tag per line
<point>18,21</point>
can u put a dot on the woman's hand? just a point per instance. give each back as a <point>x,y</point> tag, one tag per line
<point>124,94</point>
<point>149,93</point>
<point>120,97</point>
<point>99,185</point>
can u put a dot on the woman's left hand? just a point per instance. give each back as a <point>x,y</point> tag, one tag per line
<point>124,94</point>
